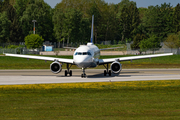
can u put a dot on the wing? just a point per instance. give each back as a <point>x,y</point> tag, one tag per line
<point>41,58</point>
<point>104,61</point>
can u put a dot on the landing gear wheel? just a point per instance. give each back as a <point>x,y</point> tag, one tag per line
<point>70,73</point>
<point>66,73</point>
<point>105,72</point>
<point>109,72</point>
<point>83,75</point>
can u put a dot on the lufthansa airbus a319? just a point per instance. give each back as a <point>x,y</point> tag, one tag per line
<point>87,56</point>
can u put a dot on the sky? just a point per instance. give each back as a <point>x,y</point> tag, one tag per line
<point>140,3</point>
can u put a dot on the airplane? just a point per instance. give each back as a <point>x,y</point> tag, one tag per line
<point>87,56</point>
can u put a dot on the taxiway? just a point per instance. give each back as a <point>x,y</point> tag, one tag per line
<point>15,77</point>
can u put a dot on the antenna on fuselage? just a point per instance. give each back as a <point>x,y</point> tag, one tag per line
<point>92,30</point>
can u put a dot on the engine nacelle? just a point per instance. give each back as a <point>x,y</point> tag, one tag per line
<point>116,67</point>
<point>56,67</point>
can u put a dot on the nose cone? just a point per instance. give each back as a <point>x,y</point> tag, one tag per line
<point>83,61</point>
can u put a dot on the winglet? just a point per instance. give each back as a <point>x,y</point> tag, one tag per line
<point>92,29</point>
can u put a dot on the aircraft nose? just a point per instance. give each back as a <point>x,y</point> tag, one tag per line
<point>83,62</point>
<point>80,59</point>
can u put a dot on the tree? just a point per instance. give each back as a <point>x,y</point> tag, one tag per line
<point>135,20</point>
<point>158,20</point>
<point>173,41</point>
<point>4,27</point>
<point>33,41</point>
<point>144,45</point>
<point>108,28</point>
<point>142,12</point>
<point>82,5</point>
<point>4,5</point>
<point>41,12</point>
<point>1,6</point>
<point>20,6</point>
<point>123,3</point>
<point>105,20</point>
<point>58,19</point>
<point>129,22</point>
<point>150,43</point>
<point>94,10</point>
<point>85,31</point>
<point>14,27</point>
<point>70,24</point>
<point>137,40</point>
<point>176,18</point>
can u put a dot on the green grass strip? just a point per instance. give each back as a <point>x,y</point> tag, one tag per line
<point>98,85</point>
<point>141,100</point>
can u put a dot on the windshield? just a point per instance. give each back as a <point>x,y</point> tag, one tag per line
<point>82,53</point>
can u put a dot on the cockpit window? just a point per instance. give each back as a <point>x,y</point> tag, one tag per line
<point>82,53</point>
<point>88,53</point>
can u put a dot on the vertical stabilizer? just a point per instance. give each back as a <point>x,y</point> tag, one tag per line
<point>92,30</point>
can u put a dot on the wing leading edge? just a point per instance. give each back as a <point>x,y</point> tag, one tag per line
<point>70,61</point>
<point>104,61</point>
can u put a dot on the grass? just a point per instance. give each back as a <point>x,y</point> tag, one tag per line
<point>88,101</point>
<point>21,63</point>
<point>122,47</point>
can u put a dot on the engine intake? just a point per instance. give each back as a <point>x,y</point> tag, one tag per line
<point>56,67</point>
<point>116,67</point>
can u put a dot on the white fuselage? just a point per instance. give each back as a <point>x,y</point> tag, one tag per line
<point>86,56</point>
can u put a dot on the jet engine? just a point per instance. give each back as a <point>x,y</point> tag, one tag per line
<point>116,67</point>
<point>56,67</point>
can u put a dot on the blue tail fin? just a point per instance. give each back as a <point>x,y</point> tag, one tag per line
<point>92,30</point>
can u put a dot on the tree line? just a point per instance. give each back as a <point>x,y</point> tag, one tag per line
<point>70,21</point>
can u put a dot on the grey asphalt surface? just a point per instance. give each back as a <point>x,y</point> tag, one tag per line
<point>15,77</point>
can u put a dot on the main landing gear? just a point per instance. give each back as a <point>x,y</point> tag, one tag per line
<point>107,71</point>
<point>84,74</point>
<point>68,71</point>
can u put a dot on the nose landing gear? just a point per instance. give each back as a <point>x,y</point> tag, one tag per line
<point>84,74</point>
